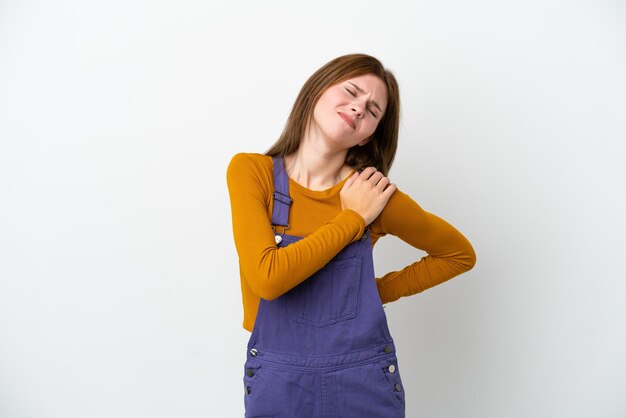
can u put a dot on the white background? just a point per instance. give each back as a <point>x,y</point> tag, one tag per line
<point>119,283</point>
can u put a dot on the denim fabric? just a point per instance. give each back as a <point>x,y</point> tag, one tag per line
<point>323,349</point>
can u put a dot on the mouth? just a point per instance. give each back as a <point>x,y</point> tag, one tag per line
<point>347,119</point>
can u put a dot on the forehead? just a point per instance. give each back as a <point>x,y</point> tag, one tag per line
<point>370,82</point>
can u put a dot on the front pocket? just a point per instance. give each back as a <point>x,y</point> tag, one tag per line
<point>329,296</point>
<point>392,382</point>
<point>253,371</point>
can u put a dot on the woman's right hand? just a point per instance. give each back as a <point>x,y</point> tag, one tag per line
<point>366,193</point>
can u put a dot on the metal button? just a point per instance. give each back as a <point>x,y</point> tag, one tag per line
<point>387,349</point>
<point>253,352</point>
<point>392,368</point>
<point>250,372</point>
<point>248,390</point>
<point>398,387</point>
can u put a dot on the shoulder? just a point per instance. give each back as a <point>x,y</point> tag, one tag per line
<point>250,159</point>
<point>249,162</point>
<point>248,169</point>
<point>399,201</point>
<point>400,208</point>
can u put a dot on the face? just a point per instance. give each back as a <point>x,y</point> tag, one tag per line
<point>348,112</point>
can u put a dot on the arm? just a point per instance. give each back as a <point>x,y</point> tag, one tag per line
<point>449,252</point>
<point>271,270</point>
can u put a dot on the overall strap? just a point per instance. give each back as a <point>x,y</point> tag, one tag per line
<point>282,200</point>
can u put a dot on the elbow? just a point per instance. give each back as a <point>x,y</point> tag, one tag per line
<point>267,293</point>
<point>264,289</point>
<point>470,259</point>
<point>267,278</point>
<point>264,283</point>
<point>464,259</point>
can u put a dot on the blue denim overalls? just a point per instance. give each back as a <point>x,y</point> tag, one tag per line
<point>323,349</point>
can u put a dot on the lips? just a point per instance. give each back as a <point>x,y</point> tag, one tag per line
<point>348,120</point>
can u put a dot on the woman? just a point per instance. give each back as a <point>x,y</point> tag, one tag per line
<point>306,215</point>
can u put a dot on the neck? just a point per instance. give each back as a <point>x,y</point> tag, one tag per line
<point>316,169</point>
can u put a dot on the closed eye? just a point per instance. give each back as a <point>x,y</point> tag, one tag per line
<point>349,91</point>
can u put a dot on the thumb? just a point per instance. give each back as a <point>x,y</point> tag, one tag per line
<point>351,179</point>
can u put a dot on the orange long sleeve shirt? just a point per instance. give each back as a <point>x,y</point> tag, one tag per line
<point>267,271</point>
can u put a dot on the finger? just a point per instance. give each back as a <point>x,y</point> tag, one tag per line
<point>390,189</point>
<point>384,181</point>
<point>375,178</point>
<point>351,179</point>
<point>367,172</point>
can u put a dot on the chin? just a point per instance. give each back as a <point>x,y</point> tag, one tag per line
<point>342,145</point>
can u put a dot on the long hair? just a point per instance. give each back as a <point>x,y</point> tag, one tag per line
<point>381,149</point>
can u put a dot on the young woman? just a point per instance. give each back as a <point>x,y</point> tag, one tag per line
<point>306,215</point>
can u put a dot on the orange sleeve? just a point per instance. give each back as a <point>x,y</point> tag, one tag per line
<point>449,252</point>
<point>269,270</point>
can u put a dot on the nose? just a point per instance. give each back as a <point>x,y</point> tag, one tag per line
<point>357,108</point>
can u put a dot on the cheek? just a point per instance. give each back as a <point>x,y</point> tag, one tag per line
<point>372,127</point>
<point>323,104</point>
<point>326,106</point>
<point>332,98</point>
<point>319,111</point>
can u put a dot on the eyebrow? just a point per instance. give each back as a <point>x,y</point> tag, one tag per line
<point>360,90</point>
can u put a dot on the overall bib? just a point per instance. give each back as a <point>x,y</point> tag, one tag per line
<point>323,349</point>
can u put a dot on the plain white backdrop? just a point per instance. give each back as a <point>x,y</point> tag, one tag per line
<point>119,283</point>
